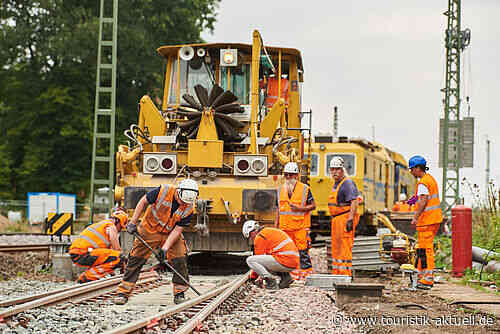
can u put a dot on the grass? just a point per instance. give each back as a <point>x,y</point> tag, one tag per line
<point>485,234</point>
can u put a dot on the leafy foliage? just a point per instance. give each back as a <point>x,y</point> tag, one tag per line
<point>47,75</point>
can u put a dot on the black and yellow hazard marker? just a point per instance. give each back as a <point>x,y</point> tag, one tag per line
<point>59,223</point>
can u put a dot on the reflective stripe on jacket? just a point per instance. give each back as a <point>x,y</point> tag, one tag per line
<point>432,213</point>
<point>293,220</point>
<point>333,205</point>
<point>94,236</point>
<point>158,216</point>
<point>271,241</point>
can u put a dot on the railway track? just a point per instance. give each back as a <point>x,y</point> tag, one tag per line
<point>189,316</point>
<point>24,248</point>
<point>78,294</point>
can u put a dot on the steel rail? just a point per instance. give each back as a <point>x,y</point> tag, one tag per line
<point>25,248</point>
<point>76,292</point>
<point>155,319</point>
<point>192,323</point>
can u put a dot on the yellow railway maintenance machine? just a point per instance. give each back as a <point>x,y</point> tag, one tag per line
<point>379,173</point>
<point>229,118</point>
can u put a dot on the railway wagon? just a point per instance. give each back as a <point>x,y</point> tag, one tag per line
<point>229,118</point>
<point>379,173</point>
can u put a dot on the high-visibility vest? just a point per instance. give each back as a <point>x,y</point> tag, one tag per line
<point>432,213</point>
<point>271,241</point>
<point>158,218</point>
<point>272,91</point>
<point>293,220</point>
<point>333,205</point>
<point>94,236</point>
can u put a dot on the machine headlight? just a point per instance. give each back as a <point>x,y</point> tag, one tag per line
<point>258,166</point>
<point>152,164</point>
<point>167,164</point>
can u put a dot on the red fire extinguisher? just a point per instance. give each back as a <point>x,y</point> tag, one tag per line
<point>461,239</point>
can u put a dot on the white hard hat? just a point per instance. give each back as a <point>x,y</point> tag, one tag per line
<point>291,167</point>
<point>402,197</point>
<point>337,162</point>
<point>188,191</point>
<point>249,226</point>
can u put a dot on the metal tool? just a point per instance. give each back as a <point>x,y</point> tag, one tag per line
<point>162,262</point>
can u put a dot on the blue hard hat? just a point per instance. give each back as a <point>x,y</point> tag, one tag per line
<point>416,160</point>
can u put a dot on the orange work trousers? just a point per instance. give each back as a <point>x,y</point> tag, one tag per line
<point>425,253</point>
<point>100,262</point>
<point>176,256</point>
<point>342,242</point>
<point>302,240</point>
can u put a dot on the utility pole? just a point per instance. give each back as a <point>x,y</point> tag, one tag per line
<point>452,153</point>
<point>335,123</point>
<point>487,165</point>
<point>103,148</point>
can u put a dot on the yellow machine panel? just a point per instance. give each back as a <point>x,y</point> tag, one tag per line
<point>199,150</point>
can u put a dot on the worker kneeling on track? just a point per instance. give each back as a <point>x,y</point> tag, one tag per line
<point>170,210</point>
<point>343,205</point>
<point>98,248</point>
<point>295,203</point>
<point>428,217</point>
<point>274,254</point>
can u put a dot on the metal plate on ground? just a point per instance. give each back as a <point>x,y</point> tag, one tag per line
<point>327,282</point>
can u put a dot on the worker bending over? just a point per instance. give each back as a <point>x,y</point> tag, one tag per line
<point>169,211</point>
<point>274,254</point>
<point>295,203</point>
<point>98,248</point>
<point>427,218</point>
<point>343,206</point>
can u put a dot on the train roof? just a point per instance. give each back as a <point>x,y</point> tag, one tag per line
<point>169,50</point>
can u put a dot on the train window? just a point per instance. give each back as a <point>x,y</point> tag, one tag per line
<point>239,82</point>
<point>314,164</point>
<point>380,172</point>
<point>366,167</point>
<point>349,162</point>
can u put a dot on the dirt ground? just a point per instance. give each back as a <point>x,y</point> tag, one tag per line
<point>392,313</point>
<point>34,266</point>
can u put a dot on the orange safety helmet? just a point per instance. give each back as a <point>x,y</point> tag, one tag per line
<point>121,216</point>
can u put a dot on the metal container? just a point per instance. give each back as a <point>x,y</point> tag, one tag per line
<point>461,239</point>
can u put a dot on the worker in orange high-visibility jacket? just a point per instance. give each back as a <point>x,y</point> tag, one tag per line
<point>295,203</point>
<point>274,254</point>
<point>427,218</point>
<point>343,205</point>
<point>272,91</point>
<point>98,248</point>
<point>169,211</point>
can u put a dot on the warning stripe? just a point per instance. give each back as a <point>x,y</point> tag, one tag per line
<point>59,223</point>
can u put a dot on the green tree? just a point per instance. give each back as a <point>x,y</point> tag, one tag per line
<point>47,81</point>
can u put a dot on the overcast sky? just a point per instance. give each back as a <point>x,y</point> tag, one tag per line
<point>382,62</point>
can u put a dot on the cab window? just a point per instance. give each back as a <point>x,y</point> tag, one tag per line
<point>314,164</point>
<point>192,73</point>
<point>238,83</point>
<point>349,162</point>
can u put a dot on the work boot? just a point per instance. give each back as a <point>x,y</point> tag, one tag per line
<point>286,280</point>
<point>271,283</point>
<point>121,299</point>
<point>179,298</point>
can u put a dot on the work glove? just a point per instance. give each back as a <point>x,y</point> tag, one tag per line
<point>131,228</point>
<point>162,266</point>
<point>348,225</point>
<point>413,200</point>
